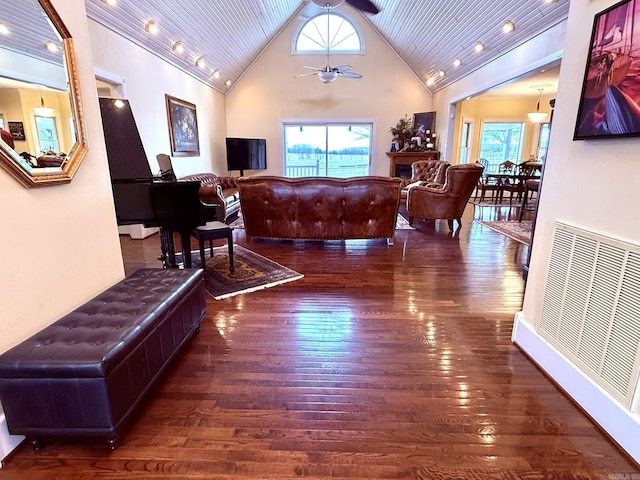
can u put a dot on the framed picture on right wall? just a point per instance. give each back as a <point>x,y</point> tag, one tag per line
<point>610,100</point>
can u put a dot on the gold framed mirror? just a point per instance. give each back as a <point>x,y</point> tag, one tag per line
<point>44,139</point>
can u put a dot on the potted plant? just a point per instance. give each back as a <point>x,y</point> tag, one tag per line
<point>402,132</point>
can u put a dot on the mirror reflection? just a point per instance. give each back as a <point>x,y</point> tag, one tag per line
<point>42,135</point>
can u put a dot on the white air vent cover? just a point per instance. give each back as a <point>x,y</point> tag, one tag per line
<point>591,307</point>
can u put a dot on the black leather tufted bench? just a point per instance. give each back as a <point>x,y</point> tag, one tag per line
<point>85,373</point>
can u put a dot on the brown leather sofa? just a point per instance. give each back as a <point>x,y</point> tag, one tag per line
<point>222,191</point>
<point>448,201</point>
<point>320,208</point>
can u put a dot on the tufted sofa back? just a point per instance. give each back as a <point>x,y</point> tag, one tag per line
<point>319,208</point>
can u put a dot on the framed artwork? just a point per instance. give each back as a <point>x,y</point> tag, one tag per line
<point>17,130</point>
<point>423,123</point>
<point>183,127</point>
<point>610,100</point>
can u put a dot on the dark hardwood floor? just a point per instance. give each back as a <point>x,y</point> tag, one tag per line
<point>382,362</point>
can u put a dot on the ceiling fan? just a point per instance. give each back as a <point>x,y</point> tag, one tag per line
<point>364,5</point>
<point>328,73</point>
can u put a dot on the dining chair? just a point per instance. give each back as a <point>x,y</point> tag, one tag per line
<point>490,182</point>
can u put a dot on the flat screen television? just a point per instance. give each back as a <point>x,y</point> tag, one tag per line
<point>246,154</point>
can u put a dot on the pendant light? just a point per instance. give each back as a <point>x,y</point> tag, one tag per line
<point>43,111</point>
<point>537,116</point>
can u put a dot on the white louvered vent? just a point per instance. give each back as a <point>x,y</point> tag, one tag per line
<point>591,307</point>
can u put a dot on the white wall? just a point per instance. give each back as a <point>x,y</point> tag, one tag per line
<point>590,184</point>
<point>60,243</point>
<point>269,93</point>
<point>607,172</point>
<point>147,80</point>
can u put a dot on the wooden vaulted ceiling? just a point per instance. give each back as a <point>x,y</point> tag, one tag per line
<point>426,34</point>
<point>230,35</point>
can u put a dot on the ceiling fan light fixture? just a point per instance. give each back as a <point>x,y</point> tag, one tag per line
<point>327,77</point>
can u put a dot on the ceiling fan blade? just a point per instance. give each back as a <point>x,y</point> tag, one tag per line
<point>314,68</point>
<point>305,74</point>
<point>364,5</point>
<point>350,74</point>
<point>344,68</point>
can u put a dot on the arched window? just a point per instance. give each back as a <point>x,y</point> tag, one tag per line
<point>328,30</point>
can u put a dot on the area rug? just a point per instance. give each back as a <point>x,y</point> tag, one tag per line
<point>251,272</point>
<point>401,223</point>
<point>491,203</point>
<point>518,231</point>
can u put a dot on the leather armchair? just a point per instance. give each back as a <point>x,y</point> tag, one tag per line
<point>427,172</point>
<point>446,202</point>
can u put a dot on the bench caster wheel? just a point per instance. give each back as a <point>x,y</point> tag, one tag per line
<point>112,443</point>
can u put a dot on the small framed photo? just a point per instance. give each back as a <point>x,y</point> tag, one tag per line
<point>424,124</point>
<point>17,130</point>
<point>610,99</point>
<point>183,127</point>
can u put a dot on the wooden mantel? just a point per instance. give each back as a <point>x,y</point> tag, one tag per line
<point>407,158</point>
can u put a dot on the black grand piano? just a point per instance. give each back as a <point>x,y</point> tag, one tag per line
<point>142,198</point>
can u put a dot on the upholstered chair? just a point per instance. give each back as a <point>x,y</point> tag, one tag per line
<point>446,202</point>
<point>425,172</point>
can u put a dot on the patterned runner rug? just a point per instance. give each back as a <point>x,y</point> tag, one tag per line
<point>251,272</point>
<point>518,231</point>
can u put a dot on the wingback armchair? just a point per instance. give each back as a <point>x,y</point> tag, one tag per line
<point>446,202</point>
<point>425,172</point>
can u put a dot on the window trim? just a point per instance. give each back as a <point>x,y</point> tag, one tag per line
<point>346,18</point>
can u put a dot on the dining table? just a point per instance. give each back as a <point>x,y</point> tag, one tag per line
<point>517,180</point>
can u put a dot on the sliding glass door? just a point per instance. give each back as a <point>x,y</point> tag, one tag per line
<point>329,150</point>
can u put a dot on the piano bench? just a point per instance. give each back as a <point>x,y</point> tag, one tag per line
<point>85,374</point>
<point>213,231</point>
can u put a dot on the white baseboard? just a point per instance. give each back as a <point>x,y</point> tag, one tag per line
<point>8,442</point>
<point>621,424</point>
<point>136,232</point>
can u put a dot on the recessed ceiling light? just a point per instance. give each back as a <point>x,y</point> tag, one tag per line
<point>178,47</point>
<point>4,30</point>
<point>430,82</point>
<point>51,46</point>
<point>441,73</point>
<point>215,74</point>
<point>110,2</point>
<point>200,62</point>
<point>457,62</point>
<point>152,27</point>
<point>228,83</point>
<point>508,26</point>
<point>479,47</point>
